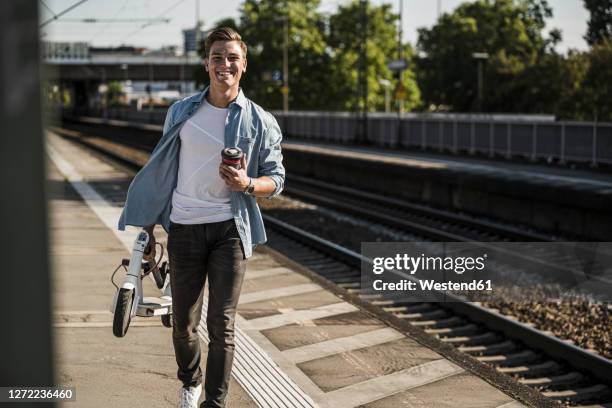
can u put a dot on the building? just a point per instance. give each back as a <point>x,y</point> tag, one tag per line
<point>191,38</point>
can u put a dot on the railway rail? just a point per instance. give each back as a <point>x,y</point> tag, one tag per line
<point>429,222</point>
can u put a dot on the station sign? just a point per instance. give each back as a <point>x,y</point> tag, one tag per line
<point>397,65</point>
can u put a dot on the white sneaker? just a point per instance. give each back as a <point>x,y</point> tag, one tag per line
<point>189,396</point>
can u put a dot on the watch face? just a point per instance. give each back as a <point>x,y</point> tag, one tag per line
<point>251,189</point>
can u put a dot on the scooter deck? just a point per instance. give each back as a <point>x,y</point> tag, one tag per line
<point>154,306</point>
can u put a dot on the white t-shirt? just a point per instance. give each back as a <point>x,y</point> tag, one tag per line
<point>201,196</point>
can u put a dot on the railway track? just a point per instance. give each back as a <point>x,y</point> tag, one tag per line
<point>428,222</point>
<point>560,370</point>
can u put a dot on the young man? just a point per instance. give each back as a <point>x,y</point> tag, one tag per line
<point>208,209</point>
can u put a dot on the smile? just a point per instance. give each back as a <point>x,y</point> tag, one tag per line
<point>223,74</point>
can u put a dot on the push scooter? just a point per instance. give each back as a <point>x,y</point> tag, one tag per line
<point>129,299</point>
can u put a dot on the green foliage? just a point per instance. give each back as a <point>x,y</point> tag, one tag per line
<point>597,85</point>
<point>509,31</point>
<point>600,23</point>
<point>344,40</point>
<point>323,54</point>
<point>262,28</point>
<point>114,93</point>
<point>523,74</point>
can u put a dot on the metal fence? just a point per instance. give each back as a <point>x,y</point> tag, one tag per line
<point>531,138</point>
<point>500,136</point>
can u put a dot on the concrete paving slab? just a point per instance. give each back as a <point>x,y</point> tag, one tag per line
<point>330,347</point>
<point>261,273</point>
<point>327,328</point>
<point>461,390</point>
<point>298,301</point>
<point>413,377</point>
<point>278,293</point>
<point>272,282</point>
<point>348,368</point>
<point>299,316</point>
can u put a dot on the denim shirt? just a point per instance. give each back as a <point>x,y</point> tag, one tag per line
<point>248,126</point>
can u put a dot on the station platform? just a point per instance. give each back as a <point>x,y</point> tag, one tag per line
<point>297,344</point>
<point>597,182</point>
<point>573,203</point>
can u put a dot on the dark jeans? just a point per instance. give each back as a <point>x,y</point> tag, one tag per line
<point>195,252</point>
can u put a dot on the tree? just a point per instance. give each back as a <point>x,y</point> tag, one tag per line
<point>597,85</point>
<point>600,22</point>
<point>344,46</point>
<point>323,54</point>
<point>509,31</point>
<point>261,26</point>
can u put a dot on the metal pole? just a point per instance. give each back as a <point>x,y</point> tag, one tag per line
<point>363,70</point>
<point>150,88</point>
<point>286,65</point>
<point>479,85</point>
<point>387,100</point>
<point>26,343</point>
<point>105,98</point>
<point>594,155</point>
<point>197,24</point>
<point>480,57</point>
<point>400,107</point>
<point>197,18</point>
<point>562,156</point>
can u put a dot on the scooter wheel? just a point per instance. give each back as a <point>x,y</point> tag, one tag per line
<point>166,320</point>
<point>123,312</point>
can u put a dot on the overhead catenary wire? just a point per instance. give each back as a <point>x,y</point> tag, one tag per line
<point>114,20</point>
<point>103,29</point>
<point>47,7</point>
<point>161,15</point>
<point>56,16</point>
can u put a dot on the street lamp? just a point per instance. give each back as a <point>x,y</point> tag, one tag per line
<point>480,57</point>
<point>285,90</point>
<point>400,51</point>
<point>387,84</point>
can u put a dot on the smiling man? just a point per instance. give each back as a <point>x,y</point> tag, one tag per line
<point>208,209</point>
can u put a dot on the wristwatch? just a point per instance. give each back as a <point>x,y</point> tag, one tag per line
<point>250,188</point>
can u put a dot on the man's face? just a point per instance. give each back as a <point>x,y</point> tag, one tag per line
<point>225,63</point>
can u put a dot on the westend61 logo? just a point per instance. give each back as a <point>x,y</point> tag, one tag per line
<point>413,264</point>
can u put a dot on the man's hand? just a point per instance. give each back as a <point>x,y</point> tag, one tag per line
<point>236,180</point>
<point>149,252</point>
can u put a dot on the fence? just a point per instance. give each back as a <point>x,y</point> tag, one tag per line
<point>501,136</point>
<point>531,138</point>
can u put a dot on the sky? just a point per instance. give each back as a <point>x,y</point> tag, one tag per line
<point>570,17</point>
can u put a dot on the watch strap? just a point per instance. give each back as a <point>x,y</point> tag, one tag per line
<point>250,188</point>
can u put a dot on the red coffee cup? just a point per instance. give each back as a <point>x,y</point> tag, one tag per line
<point>232,156</point>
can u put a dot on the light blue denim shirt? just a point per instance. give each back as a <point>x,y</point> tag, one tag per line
<point>248,126</point>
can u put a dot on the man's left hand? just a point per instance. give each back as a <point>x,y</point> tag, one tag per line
<point>236,180</point>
